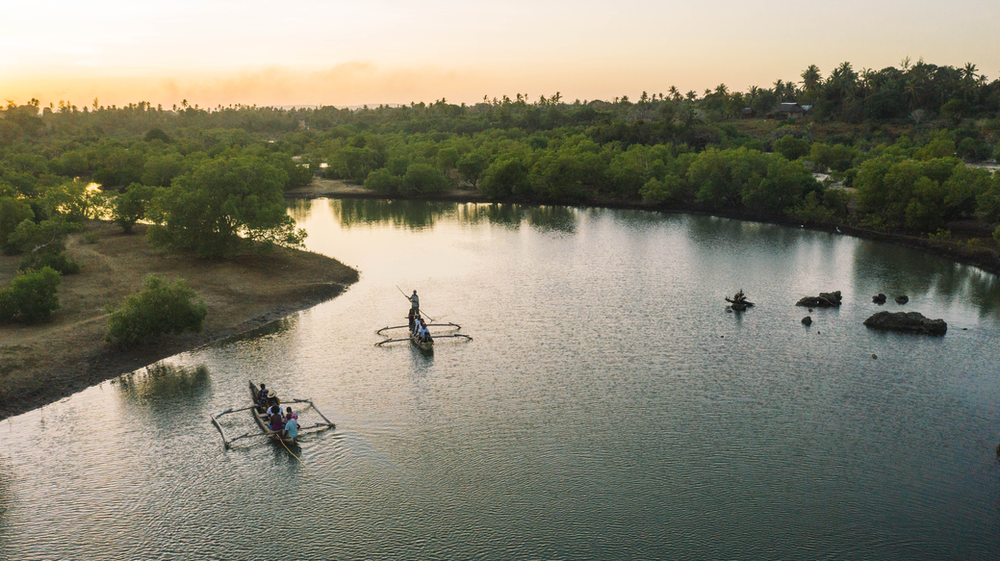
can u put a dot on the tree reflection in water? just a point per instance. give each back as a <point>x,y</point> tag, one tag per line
<point>917,274</point>
<point>160,384</point>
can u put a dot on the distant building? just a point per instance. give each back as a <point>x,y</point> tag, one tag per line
<point>748,113</point>
<point>789,111</point>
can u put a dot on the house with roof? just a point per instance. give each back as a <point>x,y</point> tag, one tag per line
<point>789,110</point>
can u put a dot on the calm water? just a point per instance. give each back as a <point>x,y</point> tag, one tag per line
<point>607,408</point>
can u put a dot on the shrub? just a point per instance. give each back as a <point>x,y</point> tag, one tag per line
<point>791,148</point>
<point>61,262</point>
<point>31,297</point>
<point>383,182</point>
<point>424,178</point>
<point>162,308</point>
<point>47,235</point>
<point>12,212</point>
<point>130,205</point>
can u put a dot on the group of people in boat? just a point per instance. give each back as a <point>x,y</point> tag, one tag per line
<point>418,327</point>
<point>269,406</point>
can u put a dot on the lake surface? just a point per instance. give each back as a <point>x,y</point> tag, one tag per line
<point>608,407</point>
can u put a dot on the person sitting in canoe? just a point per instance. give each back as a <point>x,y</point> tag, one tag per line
<point>412,317</point>
<point>291,424</point>
<point>274,407</point>
<point>262,398</point>
<point>423,335</point>
<point>277,424</point>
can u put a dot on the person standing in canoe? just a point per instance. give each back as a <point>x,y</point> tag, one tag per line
<point>415,303</point>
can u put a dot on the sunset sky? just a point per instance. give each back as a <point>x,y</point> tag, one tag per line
<point>310,52</point>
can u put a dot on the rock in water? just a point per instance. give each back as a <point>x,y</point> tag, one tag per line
<point>902,300</point>
<point>907,322</point>
<point>807,321</point>
<point>879,298</point>
<point>824,300</point>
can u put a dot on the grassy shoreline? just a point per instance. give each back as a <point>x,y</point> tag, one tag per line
<point>41,364</point>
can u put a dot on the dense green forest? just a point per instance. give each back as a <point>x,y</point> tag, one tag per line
<point>892,148</point>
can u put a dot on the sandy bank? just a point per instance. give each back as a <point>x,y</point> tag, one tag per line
<point>41,364</point>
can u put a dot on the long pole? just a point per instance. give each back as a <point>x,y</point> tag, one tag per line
<point>408,298</point>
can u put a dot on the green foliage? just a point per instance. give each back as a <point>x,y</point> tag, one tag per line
<point>812,210</point>
<point>836,158</point>
<point>119,166</point>
<point>352,163</point>
<point>59,262</point>
<point>47,236</point>
<point>160,170</point>
<point>157,133</point>
<point>631,169</point>
<point>506,176</point>
<point>472,165</point>
<point>791,148</point>
<point>222,205</point>
<point>13,211</point>
<point>748,178</point>
<point>670,190</point>
<point>988,202</point>
<point>31,297</point>
<point>382,181</point>
<point>955,109</point>
<point>918,194</point>
<point>424,179</point>
<point>130,206</point>
<point>162,308</point>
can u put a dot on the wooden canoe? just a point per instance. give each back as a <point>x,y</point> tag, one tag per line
<point>263,421</point>
<point>427,345</point>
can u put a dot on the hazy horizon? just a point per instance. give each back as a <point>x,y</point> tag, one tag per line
<point>347,54</point>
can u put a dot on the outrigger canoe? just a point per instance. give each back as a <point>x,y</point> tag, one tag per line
<point>263,421</point>
<point>426,346</point>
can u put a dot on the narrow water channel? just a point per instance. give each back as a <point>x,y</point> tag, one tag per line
<point>608,406</point>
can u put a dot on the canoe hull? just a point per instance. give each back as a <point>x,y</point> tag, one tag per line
<point>427,346</point>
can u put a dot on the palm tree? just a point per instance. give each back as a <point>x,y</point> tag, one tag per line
<point>811,78</point>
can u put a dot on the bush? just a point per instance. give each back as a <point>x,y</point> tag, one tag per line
<point>31,297</point>
<point>130,206</point>
<point>791,148</point>
<point>12,212</point>
<point>383,182</point>
<point>47,235</point>
<point>162,308</point>
<point>61,262</point>
<point>424,179</point>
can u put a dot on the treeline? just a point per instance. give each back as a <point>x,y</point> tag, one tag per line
<point>894,144</point>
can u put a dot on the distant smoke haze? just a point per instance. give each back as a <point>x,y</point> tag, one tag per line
<point>214,52</point>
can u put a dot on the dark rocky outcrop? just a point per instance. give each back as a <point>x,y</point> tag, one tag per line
<point>907,322</point>
<point>739,302</point>
<point>824,300</point>
<point>902,299</point>
<point>879,298</point>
